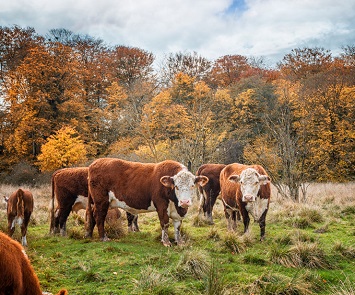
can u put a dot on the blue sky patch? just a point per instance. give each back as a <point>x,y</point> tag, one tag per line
<point>236,7</point>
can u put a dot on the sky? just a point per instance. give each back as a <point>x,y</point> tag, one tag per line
<point>212,28</point>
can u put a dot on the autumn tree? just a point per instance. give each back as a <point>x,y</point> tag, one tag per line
<point>15,45</point>
<point>229,69</point>
<point>42,93</point>
<point>190,64</point>
<point>95,78</point>
<point>63,149</point>
<point>132,69</point>
<point>323,105</point>
<point>163,121</point>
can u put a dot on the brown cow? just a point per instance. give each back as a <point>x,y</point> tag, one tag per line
<point>245,188</point>
<point>19,210</point>
<point>17,274</point>
<point>70,188</point>
<point>210,191</point>
<point>166,187</point>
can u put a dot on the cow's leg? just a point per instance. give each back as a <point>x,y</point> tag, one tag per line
<point>54,227</point>
<point>201,205</point>
<point>11,224</point>
<point>230,216</point>
<point>164,223</point>
<point>62,219</point>
<point>89,218</point>
<point>210,200</point>
<point>132,222</point>
<point>177,233</point>
<point>24,226</point>
<point>100,212</point>
<point>262,223</point>
<point>246,219</point>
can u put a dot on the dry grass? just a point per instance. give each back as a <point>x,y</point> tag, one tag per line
<point>193,263</point>
<point>270,283</point>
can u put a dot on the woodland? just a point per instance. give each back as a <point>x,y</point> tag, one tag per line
<point>67,99</point>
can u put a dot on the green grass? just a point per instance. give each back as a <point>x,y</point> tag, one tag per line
<point>308,250</point>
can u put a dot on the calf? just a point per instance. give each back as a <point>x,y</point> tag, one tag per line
<point>245,188</point>
<point>19,210</point>
<point>166,187</point>
<point>17,275</point>
<point>210,191</point>
<point>70,188</point>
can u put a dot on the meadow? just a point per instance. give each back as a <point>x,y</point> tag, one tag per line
<point>309,249</point>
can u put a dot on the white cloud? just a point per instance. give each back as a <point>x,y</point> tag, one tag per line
<point>269,28</point>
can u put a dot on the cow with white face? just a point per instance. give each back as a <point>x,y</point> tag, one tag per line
<point>247,189</point>
<point>166,187</point>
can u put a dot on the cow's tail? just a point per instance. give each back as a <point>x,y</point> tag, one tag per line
<point>20,206</point>
<point>20,203</point>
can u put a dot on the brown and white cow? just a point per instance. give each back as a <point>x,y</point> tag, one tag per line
<point>70,188</point>
<point>19,210</point>
<point>166,187</point>
<point>245,188</point>
<point>17,274</point>
<point>210,191</point>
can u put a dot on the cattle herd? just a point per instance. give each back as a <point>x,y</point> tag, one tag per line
<point>109,183</point>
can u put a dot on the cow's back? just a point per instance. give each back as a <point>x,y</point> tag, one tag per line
<point>71,181</point>
<point>212,171</point>
<point>131,180</point>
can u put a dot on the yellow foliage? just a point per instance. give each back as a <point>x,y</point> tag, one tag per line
<point>161,152</point>
<point>201,91</point>
<point>261,151</point>
<point>117,96</point>
<point>63,149</point>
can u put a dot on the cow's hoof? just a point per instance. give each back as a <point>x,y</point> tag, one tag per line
<point>166,243</point>
<point>105,239</point>
<point>88,235</point>
<point>180,243</point>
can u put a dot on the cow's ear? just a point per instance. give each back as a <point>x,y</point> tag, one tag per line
<point>264,179</point>
<point>234,178</point>
<point>6,199</point>
<point>201,180</point>
<point>167,181</point>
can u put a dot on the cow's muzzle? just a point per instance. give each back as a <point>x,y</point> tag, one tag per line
<point>248,198</point>
<point>185,203</point>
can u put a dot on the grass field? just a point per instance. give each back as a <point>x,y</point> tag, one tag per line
<point>309,249</point>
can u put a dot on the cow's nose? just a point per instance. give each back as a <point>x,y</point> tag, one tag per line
<point>248,198</point>
<point>185,203</point>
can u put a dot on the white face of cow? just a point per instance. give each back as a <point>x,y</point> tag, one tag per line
<point>184,185</point>
<point>250,181</point>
